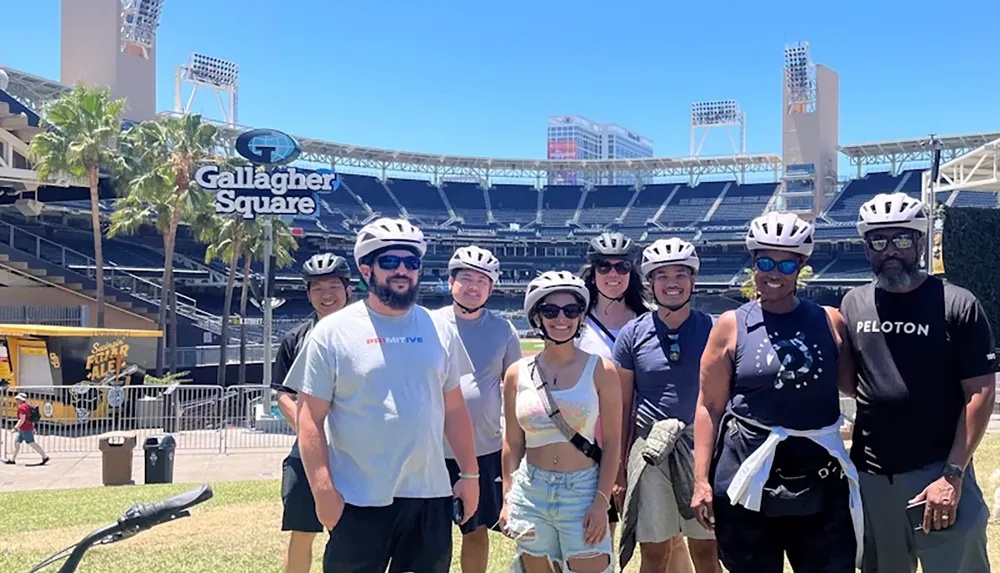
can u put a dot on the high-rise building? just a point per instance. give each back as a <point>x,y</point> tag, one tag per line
<point>576,137</point>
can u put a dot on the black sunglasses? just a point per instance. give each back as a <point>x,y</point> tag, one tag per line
<point>901,242</point>
<point>674,352</point>
<point>392,262</point>
<point>550,311</point>
<point>621,267</point>
<point>767,264</point>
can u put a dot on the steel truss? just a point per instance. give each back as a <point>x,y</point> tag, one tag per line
<point>897,154</point>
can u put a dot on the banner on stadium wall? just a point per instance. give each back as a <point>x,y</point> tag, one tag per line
<point>266,187</point>
<point>937,247</point>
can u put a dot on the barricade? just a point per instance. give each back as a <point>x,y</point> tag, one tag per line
<point>200,417</point>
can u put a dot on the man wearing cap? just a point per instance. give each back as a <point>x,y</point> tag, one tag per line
<point>25,430</point>
<point>378,393</point>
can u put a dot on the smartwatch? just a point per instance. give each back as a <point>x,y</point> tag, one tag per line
<point>952,471</point>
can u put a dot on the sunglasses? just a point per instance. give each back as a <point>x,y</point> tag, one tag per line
<point>901,242</point>
<point>621,267</point>
<point>550,311</point>
<point>767,264</point>
<point>674,351</point>
<point>392,262</point>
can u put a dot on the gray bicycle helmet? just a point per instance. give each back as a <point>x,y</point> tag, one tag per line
<point>614,245</point>
<point>325,265</point>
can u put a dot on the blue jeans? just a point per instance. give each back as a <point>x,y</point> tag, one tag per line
<point>546,510</point>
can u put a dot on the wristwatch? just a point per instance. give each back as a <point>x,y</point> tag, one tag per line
<point>952,471</point>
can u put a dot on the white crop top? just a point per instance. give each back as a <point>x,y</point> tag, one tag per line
<point>578,404</point>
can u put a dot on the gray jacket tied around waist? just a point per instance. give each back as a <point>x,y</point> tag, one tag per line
<point>669,446</point>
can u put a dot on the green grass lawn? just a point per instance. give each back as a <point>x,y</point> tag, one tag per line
<point>236,532</point>
<point>531,345</point>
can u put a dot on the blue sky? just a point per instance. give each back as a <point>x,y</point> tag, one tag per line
<point>477,78</point>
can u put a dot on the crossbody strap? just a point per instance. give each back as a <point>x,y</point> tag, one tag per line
<point>603,328</point>
<point>589,449</point>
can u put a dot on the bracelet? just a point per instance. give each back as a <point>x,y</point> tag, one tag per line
<point>605,496</point>
<point>463,475</point>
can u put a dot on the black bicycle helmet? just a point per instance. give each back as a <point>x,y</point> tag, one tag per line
<point>614,245</point>
<point>326,265</point>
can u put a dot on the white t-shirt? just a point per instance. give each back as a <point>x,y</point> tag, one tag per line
<point>594,340</point>
<point>385,378</point>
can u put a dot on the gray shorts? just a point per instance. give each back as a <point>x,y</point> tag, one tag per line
<point>659,519</point>
<point>891,545</point>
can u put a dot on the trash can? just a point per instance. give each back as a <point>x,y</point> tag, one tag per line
<point>160,458</point>
<point>116,458</point>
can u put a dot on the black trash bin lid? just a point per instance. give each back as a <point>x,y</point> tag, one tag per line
<point>159,441</point>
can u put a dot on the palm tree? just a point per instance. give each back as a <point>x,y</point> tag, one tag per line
<point>82,129</point>
<point>162,157</point>
<point>749,289</point>
<point>230,239</point>
<point>253,250</point>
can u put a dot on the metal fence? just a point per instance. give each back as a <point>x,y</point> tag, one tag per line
<point>200,418</point>
<point>47,315</point>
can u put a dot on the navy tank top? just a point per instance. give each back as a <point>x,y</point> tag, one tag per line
<point>785,375</point>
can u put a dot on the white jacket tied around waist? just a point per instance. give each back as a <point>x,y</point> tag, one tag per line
<point>747,487</point>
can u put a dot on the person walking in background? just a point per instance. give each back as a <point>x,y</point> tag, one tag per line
<point>493,345</point>
<point>24,430</point>
<point>382,379</point>
<point>328,288</point>
<point>557,481</point>
<point>658,357</point>
<point>770,464</point>
<point>925,393</point>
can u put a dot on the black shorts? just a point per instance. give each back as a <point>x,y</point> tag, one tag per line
<point>299,508</point>
<point>490,492</point>
<point>751,542</point>
<point>409,535</point>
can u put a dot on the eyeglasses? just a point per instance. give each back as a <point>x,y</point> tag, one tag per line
<point>674,351</point>
<point>621,267</point>
<point>392,262</point>
<point>550,311</point>
<point>767,264</point>
<point>901,242</point>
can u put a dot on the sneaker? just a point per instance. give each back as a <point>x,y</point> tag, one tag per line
<point>45,460</point>
<point>9,462</point>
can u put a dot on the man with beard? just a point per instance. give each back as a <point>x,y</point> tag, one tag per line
<point>381,379</point>
<point>493,345</point>
<point>328,287</point>
<point>658,356</point>
<point>925,391</point>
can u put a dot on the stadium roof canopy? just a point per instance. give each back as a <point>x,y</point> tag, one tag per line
<point>978,170</point>
<point>898,153</point>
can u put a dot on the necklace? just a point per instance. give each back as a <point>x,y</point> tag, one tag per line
<point>555,375</point>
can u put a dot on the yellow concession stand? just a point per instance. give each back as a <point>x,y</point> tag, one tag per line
<point>73,374</point>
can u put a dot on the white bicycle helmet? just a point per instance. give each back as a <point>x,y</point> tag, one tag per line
<point>892,210</point>
<point>781,232</point>
<point>386,233</point>
<point>475,259</point>
<point>665,252</point>
<point>325,265</point>
<point>554,281</point>
<point>611,245</point>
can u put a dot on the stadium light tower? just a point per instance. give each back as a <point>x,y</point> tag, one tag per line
<point>218,75</point>
<point>140,19</point>
<point>800,79</point>
<point>706,115</point>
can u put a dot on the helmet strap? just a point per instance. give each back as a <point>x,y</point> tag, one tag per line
<point>467,310</point>
<point>672,307</point>
<point>615,299</point>
<point>545,334</point>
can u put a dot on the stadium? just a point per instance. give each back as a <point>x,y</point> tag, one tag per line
<point>534,214</point>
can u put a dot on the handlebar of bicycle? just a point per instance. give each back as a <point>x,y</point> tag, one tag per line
<point>139,518</point>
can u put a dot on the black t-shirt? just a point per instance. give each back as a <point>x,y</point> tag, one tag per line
<point>913,350</point>
<point>291,344</point>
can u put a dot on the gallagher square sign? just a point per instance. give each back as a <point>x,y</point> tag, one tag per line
<point>281,191</point>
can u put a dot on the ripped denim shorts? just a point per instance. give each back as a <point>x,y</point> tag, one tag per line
<point>545,513</point>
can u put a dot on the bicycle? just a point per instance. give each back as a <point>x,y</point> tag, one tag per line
<point>137,519</point>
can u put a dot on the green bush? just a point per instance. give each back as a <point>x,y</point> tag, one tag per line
<point>971,249</point>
